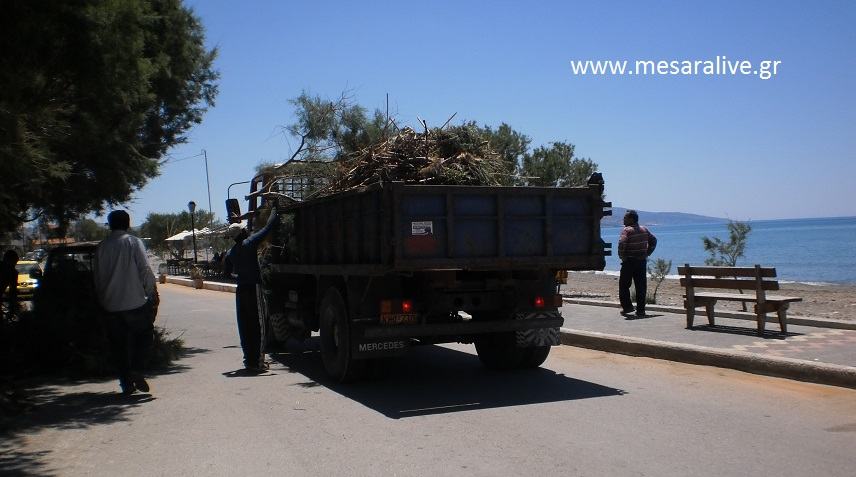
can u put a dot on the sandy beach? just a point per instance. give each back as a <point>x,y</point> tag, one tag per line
<point>820,301</point>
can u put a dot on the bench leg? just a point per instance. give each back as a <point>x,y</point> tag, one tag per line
<point>783,317</point>
<point>690,315</point>
<point>709,308</point>
<point>762,320</point>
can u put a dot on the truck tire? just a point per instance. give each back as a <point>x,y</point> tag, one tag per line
<point>336,339</point>
<point>278,326</point>
<point>271,339</point>
<point>499,350</point>
<point>534,356</point>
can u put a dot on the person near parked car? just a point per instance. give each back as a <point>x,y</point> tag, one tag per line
<point>9,280</point>
<point>127,291</point>
<point>635,244</point>
<point>242,260</point>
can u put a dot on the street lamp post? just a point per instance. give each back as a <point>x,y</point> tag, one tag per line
<point>192,207</point>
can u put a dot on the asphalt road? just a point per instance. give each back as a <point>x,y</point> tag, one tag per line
<point>435,412</point>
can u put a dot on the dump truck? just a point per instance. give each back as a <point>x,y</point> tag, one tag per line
<point>378,270</point>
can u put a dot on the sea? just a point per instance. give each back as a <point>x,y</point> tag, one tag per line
<point>815,251</point>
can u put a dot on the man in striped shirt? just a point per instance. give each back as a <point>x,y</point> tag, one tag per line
<point>635,245</point>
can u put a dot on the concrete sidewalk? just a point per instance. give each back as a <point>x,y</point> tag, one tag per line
<point>815,353</point>
<point>813,350</point>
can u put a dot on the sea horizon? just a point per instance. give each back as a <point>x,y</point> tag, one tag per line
<point>818,250</point>
<point>718,220</point>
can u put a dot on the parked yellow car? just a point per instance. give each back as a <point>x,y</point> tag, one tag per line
<point>27,280</point>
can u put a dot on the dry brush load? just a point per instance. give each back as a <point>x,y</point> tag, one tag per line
<point>457,155</point>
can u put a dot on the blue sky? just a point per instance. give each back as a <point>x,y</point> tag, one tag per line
<point>736,147</point>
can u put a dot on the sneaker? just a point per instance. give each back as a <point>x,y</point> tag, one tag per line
<point>258,368</point>
<point>627,311</point>
<point>127,386</point>
<point>141,383</point>
<point>640,315</point>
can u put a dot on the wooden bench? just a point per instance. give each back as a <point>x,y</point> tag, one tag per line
<point>756,280</point>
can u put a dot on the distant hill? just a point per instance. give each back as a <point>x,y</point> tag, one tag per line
<point>660,218</point>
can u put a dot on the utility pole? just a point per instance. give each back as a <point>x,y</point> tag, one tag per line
<point>207,182</point>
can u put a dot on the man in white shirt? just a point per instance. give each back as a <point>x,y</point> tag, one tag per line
<point>127,291</point>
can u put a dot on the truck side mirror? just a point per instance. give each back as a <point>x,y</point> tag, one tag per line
<point>233,211</point>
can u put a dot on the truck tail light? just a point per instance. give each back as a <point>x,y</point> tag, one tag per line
<point>539,302</point>
<point>396,306</point>
<point>398,312</point>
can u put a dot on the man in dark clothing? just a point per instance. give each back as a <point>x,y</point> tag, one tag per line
<point>635,245</point>
<point>9,280</point>
<point>242,260</point>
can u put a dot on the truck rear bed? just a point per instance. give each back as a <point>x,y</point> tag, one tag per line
<point>399,227</point>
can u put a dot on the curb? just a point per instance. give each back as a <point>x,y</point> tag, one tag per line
<point>801,370</point>
<point>214,286</point>
<point>737,315</point>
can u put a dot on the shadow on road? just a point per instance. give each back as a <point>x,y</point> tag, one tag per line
<point>19,463</point>
<point>736,330</point>
<point>176,367</point>
<point>53,407</point>
<point>247,373</point>
<point>438,380</point>
<point>635,317</point>
<point>49,402</point>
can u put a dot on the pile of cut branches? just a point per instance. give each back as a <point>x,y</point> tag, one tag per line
<point>458,155</point>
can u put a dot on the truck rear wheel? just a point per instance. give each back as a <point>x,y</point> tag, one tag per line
<point>499,350</point>
<point>535,356</point>
<point>336,339</point>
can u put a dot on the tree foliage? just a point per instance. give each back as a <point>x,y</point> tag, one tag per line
<point>331,129</point>
<point>93,93</point>
<point>87,230</point>
<point>511,145</point>
<point>158,226</point>
<point>658,270</point>
<point>726,254</point>
<point>556,165</point>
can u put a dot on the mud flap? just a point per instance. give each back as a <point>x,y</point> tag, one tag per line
<point>538,337</point>
<point>365,349</point>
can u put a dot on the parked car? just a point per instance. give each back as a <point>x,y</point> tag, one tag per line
<point>67,275</point>
<point>65,296</point>
<point>29,272</point>
<point>36,255</point>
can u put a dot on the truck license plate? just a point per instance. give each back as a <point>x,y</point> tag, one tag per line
<point>399,319</point>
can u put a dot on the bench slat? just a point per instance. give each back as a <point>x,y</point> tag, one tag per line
<point>747,298</point>
<point>728,271</point>
<point>731,284</point>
